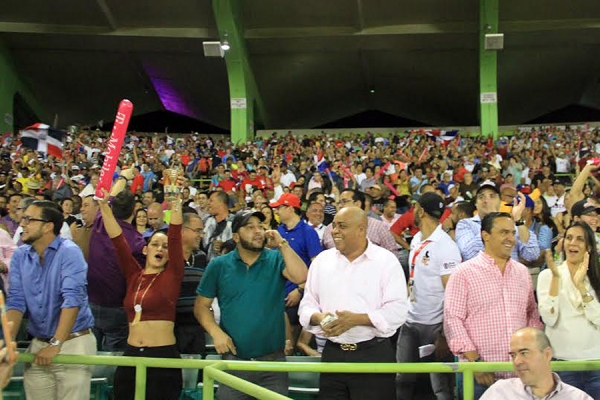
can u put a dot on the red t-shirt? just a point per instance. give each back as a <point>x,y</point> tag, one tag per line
<point>407,221</point>
<point>228,184</point>
<point>138,182</point>
<point>160,300</point>
<point>258,182</point>
<point>185,159</point>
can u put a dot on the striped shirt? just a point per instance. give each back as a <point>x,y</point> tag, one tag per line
<point>483,307</point>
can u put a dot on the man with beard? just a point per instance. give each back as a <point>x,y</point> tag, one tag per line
<point>48,280</point>
<point>249,283</point>
<point>433,256</point>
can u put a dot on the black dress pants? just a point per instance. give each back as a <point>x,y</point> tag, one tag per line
<point>367,386</point>
<point>161,383</point>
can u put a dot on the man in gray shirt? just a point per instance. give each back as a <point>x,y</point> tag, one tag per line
<point>531,354</point>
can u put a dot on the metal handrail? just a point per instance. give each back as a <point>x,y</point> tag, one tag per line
<point>215,370</point>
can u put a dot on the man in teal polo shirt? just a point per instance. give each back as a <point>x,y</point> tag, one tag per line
<point>249,284</point>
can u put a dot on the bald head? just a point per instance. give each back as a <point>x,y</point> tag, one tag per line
<point>349,232</point>
<point>531,355</point>
<point>155,216</point>
<point>535,335</point>
<point>354,215</point>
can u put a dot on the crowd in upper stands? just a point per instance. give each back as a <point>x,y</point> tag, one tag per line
<point>456,207</point>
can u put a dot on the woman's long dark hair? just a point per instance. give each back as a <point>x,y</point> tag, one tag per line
<point>593,272</point>
<point>133,221</point>
<point>546,217</point>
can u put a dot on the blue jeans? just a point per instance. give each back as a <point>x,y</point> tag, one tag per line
<point>110,327</point>
<point>588,381</point>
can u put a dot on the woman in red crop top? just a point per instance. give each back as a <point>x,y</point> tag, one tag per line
<point>150,298</point>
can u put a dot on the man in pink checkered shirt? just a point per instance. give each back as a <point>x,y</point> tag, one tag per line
<point>487,299</point>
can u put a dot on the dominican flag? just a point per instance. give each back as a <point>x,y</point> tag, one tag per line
<point>43,138</point>
<point>320,161</point>
<point>440,136</point>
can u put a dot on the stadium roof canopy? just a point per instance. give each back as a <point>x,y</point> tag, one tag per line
<point>314,61</point>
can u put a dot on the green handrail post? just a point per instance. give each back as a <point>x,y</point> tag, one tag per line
<point>468,384</point>
<point>140,381</point>
<point>208,384</point>
<point>208,381</point>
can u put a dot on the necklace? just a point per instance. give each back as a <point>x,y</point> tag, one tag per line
<point>190,265</point>
<point>137,307</point>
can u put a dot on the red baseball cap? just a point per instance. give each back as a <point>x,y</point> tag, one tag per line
<point>287,199</point>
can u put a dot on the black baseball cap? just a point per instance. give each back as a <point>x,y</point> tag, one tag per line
<point>433,204</point>
<point>583,207</point>
<point>242,217</point>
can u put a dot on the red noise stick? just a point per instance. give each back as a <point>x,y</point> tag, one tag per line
<point>382,170</point>
<point>114,147</point>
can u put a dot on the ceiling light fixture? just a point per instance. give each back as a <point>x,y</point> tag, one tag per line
<point>225,43</point>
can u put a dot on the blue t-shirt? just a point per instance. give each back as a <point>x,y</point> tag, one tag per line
<point>305,242</point>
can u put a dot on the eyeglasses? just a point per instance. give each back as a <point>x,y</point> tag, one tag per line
<point>199,231</point>
<point>345,201</point>
<point>25,220</point>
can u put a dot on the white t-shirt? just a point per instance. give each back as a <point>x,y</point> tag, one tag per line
<point>562,165</point>
<point>287,179</point>
<point>360,177</point>
<point>558,206</point>
<point>438,257</point>
<point>551,200</point>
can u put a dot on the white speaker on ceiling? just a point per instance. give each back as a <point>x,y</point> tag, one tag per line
<point>213,49</point>
<point>494,41</point>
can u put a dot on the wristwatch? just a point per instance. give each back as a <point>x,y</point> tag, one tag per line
<point>587,295</point>
<point>520,222</point>
<point>54,342</point>
<point>282,243</point>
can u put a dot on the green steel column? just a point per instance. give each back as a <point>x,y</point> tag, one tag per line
<point>10,84</point>
<point>488,69</point>
<point>243,92</point>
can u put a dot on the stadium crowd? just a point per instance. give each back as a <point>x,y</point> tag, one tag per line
<point>353,248</point>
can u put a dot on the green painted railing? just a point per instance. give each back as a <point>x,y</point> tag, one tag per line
<point>214,370</point>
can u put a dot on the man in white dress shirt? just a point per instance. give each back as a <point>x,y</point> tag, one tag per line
<point>355,296</point>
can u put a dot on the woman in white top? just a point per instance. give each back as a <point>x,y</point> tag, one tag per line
<point>568,302</point>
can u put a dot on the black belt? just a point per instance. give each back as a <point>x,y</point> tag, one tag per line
<point>71,336</point>
<point>260,358</point>
<point>360,345</point>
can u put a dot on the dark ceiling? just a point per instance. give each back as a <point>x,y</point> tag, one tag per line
<point>314,62</point>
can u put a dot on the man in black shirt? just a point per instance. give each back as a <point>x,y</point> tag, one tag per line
<point>189,334</point>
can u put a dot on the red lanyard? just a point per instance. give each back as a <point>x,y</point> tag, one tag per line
<point>415,255</point>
